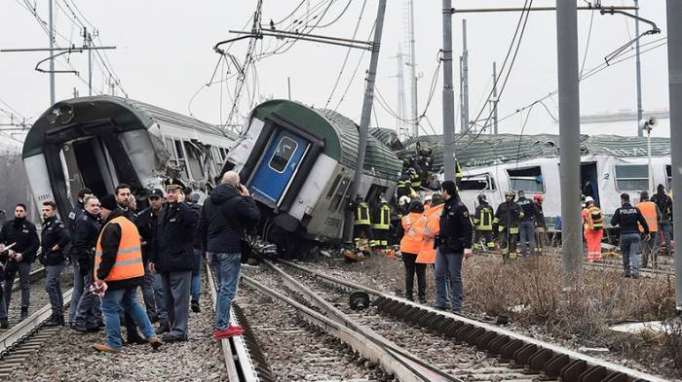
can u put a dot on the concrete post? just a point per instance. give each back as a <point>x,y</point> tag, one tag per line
<point>448,95</point>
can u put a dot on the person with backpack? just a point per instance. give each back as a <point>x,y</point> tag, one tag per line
<point>593,223</point>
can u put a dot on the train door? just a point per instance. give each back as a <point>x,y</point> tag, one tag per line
<point>278,166</point>
<point>589,181</point>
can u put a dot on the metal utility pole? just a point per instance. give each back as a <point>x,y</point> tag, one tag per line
<point>87,42</point>
<point>569,139</point>
<point>366,115</point>
<point>465,79</point>
<point>401,101</point>
<point>413,70</point>
<point>51,37</point>
<point>495,100</point>
<point>448,95</point>
<point>674,13</point>
<point>638,66</point>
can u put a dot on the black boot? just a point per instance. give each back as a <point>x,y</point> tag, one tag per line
<point>4,324</point>
<point>53,321</point>
<point>195,307</point>
<point>164,327</point>
<point>24,313</point>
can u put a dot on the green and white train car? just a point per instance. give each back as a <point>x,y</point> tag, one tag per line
<point>298,162</point>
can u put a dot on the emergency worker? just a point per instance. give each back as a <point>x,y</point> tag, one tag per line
<point>593,222</point>
<point>381,225</point>
<point>540,225</point>
<point>506,222</point>
<point>650,212</point>
<point>665,206</point>
<point>54,239</point>
<point>527,225</point>
<point>431,229</point>
<point>118,271</point>
<point>174,260</point>
<point>78,209</point>
<point>197,247</point>
<point>71,221</point>
<point>362,225</point>
<point>629,219</point>
<point>23,234</point>
<point>147,223</point>
<point>87,316</point>
<point>410,245</point>
<point>483,224</point>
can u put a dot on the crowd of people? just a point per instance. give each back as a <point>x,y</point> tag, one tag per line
<point>116,250</point>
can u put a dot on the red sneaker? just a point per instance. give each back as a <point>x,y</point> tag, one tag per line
<point>230,331</point>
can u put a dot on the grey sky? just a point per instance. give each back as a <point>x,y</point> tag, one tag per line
<point>165,54</point>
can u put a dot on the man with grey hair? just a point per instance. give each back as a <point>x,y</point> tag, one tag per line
<point>227,213</point>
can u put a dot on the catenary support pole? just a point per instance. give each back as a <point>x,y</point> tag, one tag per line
<point>638,70</point>
<point>448,95</point>
<point>465,79</point>
<point>366,115</point>
<point>51,37</point>
<point>674,14</point>
<point>413,70</point>
<point>569,139</point>
<point>495,100</point>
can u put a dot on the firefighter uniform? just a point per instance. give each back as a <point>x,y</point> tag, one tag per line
<point>483,218</point>
<point>381,226</point>
<point>362,227</point>
<point>507,219</point>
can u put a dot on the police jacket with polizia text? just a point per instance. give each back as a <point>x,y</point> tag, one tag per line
<point>455,227</point>
<point>54,233</point>
<point>175,235</point>
<point>24,234</point>
<point>627,217</point>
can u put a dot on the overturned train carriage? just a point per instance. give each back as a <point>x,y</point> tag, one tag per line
<point>298,162</point>
<point>98,142</point>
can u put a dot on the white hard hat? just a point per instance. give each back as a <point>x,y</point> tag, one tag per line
<point>428,198</point>
<point>404,200</point>
<point>588,199</point>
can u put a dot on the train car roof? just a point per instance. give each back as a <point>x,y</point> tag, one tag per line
<point>339,133</point>
<point>487,150</point>
<point>126,114</point>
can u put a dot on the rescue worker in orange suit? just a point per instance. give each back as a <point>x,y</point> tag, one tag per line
<point>431,229</point>
<point>484,238</point>
<point>540,225</point>
<point>506,223</point>
<point>410,246</point>
<point>652,215</point>
<point>593,222</point>
<point>118,271</point>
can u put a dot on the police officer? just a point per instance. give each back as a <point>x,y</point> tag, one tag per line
<point>527,225</point>
<point>147,222</point>
<point>174,260</point>
<point>24,235</point>
<point>627,218</point>
<point>54,239</point>
<point>71,221</point>
<point>85,314</point>
<point>506,222</point>
<point>483,221</point>
<point>454,243</point>
<point>197,245</point>
<point>78,209</point>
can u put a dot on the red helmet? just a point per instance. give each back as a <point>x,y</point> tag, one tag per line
<point>538,197</point>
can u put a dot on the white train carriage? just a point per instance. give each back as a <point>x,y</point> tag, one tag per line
<point>298,162</point>
<point>98,142</point>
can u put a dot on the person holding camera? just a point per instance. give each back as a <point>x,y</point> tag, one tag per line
<point>226,214</point>
<point>23,234</point>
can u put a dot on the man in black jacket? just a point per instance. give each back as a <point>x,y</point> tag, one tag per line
<point>24,234</point>
<point>197,245</point>
<point>174,260</point>
<point>527,225</point>
<point>54,238</point>
<point>147,223</point>
<point>628,219</point>
<point>85,314</point>
<point>454,243</point>
<point>226,214</point>
<point>71,221</point>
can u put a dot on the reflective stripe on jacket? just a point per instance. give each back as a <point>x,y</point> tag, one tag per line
<point>128,264</point>
<point>384,221</point>
<point>362,214</point>
<point>412,237</point>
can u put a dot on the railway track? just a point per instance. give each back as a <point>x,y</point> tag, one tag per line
<point>499,354</point>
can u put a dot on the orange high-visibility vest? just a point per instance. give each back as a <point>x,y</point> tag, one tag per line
<point>412,237</point>
<point>128,263</point>
<point>648,210</point>
<point>427,254</point>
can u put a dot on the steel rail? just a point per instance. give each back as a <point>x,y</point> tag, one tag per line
<point>418,365</point>
<point>238,363</point>
<point>391,361</point>
<point>553,360</point>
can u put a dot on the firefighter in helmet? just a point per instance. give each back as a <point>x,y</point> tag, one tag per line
<point>506,223</point>
<point>484,238</point>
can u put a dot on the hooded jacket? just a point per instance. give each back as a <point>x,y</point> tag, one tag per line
<point>224,216</point>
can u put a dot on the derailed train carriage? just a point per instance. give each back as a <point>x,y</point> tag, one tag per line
<point>99,142</point>
<point>298,162</point>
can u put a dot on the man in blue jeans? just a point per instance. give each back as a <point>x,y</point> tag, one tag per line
<point>454,243</point>
<point>226,214</point>
<point>628,219</point>
<point>118,272</point>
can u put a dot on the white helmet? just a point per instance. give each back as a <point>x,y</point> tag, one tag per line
<point>404,200</point>
<point>588,199</point>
